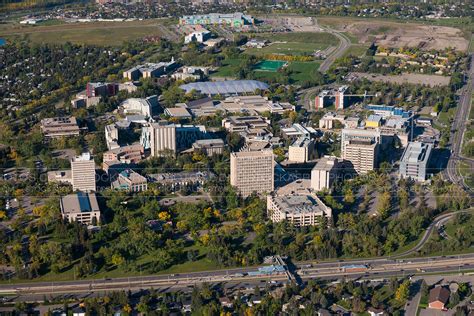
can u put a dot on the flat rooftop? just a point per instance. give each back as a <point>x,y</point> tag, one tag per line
<point>79,202</point>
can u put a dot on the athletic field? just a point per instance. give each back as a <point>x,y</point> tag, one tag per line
<point>269,65</point>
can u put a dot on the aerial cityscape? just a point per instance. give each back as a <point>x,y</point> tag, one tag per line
<point>237,157</point>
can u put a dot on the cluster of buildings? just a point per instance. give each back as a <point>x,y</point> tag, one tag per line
<point>236,19</point>
<point>95,91</point>
<point>150,70</point>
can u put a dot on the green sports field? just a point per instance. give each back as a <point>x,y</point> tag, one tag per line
<point>269,65</point>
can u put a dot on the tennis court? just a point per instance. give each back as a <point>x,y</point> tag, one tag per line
<point>269,65</point>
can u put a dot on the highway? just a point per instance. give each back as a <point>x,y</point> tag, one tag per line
<point>457,132</point>
<point>237,278</point>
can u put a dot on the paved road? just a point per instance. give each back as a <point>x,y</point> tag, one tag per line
<point>457,130</point>
<point>344,44</point>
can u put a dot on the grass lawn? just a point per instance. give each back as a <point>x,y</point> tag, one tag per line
<point>445,116</point>
<point>301,71</point>
<point>287,48</point>
<point>229,68</point>
<point>356,50</point>
<point>468,175</point>
<point>95,33</point>
<point>294,43</point>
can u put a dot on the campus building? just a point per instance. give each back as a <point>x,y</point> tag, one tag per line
<point>138,106</point>
<point>415,160</point>
<point>209,146</point>
<point>101,89</point>
<point>301,150</point>
<point>130,181</point>
<point>236,19</point>
<point>299,209</point>
<point>59,127</point>
<point>333,96</point>
<point>83,173</point>
<point>197,36</point>
<point>150,70</point>
<point>81,207</point>
<point>252,171</point>
<point>324,173</point>
<point>162,136</point>
<point>360,147</point>
<point>225,88</point>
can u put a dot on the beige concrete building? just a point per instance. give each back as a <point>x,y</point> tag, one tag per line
<point>299,209</point>
<point>301,150</point>
<point>60,176</point>
<point>83,173</point>
<point>324,173</point>
<point>60,126</point>
<point>210,146</point>
<point>81,207</point>
<point>252,171</point>
<point>360,147</point>
<point>362,154</point>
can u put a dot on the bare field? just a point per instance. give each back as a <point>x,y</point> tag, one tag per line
<point>396,34</point>
<point>95,33</point>
<point>429,80</point>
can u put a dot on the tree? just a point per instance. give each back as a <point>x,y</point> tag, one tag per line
<point>454,299</point>
<point>403,291</point>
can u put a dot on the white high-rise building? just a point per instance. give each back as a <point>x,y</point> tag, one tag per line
<point>252,171</point>
<point>324,173</point>
<point>83,173</point>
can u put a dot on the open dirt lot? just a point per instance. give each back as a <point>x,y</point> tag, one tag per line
<point>396,34</point>
<point>429,80</point>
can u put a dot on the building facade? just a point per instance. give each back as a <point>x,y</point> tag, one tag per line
<point>252,171</point>
<point>83,173</point>
<point>324,173</point>
<point>301,150</point>
<point>298,209</point>
<point>81,207</point>
<point>130,181</point>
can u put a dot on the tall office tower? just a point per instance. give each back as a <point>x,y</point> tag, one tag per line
<point>324,173</point>
<point>360,147</point>
<point>83,173</point>
<point>252,171</point>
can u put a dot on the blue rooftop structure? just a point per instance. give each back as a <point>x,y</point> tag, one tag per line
<point>84,203</point>
<point>230,87</point>
<point>388,110</point>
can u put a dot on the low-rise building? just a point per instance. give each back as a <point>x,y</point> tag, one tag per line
<point>180,179</point>
<point>197,36</point>
<point>373,121</point>
<point>299,209</point>
<point>324,173</point>
<point>438,298</point>
<point>415,160</point>
<point>301,150</point>
<point>297,130</point>
<point>146,107</point>
<point>178,113</point>
<point>60,176</point>
<point>329,119</point>
<point>150,70</point>
<point>253,105</point>
<point>111,136</point>
<point>130,181</point>
<point>249,127</point>
<point>59,127</point>
<point>81,207</point>
<point>191,72</point>
<point>210,146</point>
<point>130,154</point>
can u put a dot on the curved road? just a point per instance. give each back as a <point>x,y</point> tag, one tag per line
<point>344,44</point>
